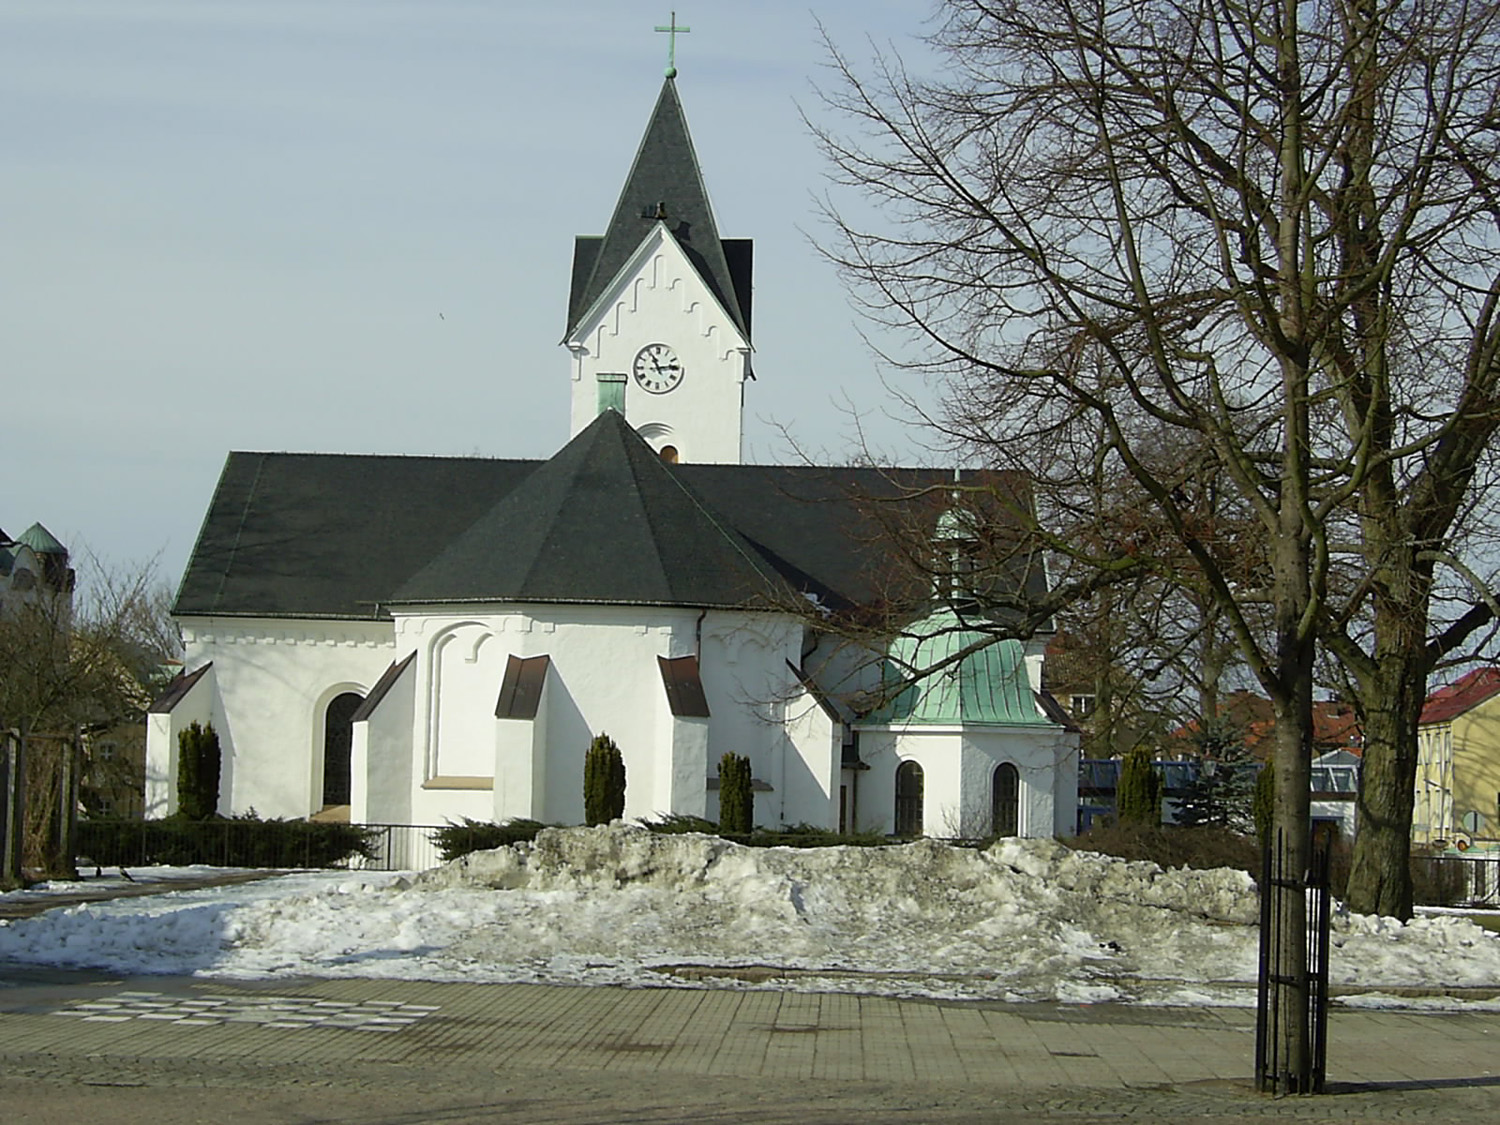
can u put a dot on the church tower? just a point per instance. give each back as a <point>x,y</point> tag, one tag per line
<point>659,313</point>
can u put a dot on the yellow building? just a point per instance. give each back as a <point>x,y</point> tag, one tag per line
<point>1458,765</point>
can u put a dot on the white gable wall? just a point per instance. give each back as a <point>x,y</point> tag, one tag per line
<point>660,299</point>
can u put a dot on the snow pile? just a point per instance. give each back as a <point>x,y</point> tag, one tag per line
<point>1023,920</point>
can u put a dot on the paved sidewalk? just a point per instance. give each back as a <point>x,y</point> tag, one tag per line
<point>957,1061</point>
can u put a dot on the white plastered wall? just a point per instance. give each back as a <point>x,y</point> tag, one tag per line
<point>958,767</point>
<point>660,299</point>
<point>273,680</point>
<point>816,741</point>
<point>381,761</point>
<point>603,677</point>
<point>199,705</point>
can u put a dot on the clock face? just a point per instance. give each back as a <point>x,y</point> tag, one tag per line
<point>657,368</point>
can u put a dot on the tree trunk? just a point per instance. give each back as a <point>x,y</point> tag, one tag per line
<point>1380,873</point>
<point>12,808</point>
<point>1289,996</point>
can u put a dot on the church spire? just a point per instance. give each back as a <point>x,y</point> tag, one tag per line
<point>665,185</point>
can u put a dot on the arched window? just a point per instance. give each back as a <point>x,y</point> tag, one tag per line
<point>1005,801</point>
<point>669,454</point>
<point>338,744</point>
<point>908,799</point>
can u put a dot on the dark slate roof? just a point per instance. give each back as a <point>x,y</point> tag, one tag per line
<point>177,690</point>
<point>330,535</point>
<point>832,531</point>
<point>381,689</point>
<point>665,181</point>
<point>337,536</point>
<point>605,520</point>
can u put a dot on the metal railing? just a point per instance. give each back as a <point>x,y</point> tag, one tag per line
<point>1460,880</point>
<point>253,843</point>
<point>1291,1019</point>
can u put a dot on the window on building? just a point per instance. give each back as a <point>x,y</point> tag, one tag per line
<point>1082,706</point>
<point>908,799</point>
<point>1005,801</point>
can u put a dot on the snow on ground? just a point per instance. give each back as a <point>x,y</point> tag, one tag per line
<point>1026,920</point>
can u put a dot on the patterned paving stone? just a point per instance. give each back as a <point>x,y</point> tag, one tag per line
<point>269,1011</point>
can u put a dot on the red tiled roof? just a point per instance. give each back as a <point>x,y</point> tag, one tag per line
<point>1472,689</point>
<point>1335,726</point>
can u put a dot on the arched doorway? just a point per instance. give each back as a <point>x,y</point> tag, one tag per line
<point>908,799</point>
<point>338,745</point>
<point>1005,801</point>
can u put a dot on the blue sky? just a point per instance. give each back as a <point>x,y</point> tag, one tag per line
<point>346,226</point>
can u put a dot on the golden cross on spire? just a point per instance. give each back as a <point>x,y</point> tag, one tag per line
<point>672,29</point>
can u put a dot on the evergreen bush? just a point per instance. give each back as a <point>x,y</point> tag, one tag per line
<point>1138,799</point>
<point>239,841</point>
<point>680,824</point>
<point>1222,794</point>
<point>736,797</point>
<point>454,840</point>
<point>603,782</point>
<point>198,762</point>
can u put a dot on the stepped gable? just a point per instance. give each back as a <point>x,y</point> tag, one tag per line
<point>604,521</point>
<point>665,182</point>
<point>331,535</point>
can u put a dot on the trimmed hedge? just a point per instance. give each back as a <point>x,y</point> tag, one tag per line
<point>241,841</point>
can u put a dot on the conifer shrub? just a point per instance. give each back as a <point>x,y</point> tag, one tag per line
<point>1221,794</point>
<point>792,836</point>
<point>198,761</point>
<point>1169,846</point>
<point>680,824</point>
<point>736,797</point>
<point>603,782</point>
<point>454,840</point>
<point>235,841</point>
<point>1138,799</point>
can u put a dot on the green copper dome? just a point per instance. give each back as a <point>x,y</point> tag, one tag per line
<point>988,685</point>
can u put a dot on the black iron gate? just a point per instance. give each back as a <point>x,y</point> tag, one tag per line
<point>1289,992</point>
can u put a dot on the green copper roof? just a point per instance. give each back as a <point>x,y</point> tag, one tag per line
<point>42,541</point>
<point>986,686</point>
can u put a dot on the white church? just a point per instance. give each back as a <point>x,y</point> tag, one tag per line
<point>412,640</point>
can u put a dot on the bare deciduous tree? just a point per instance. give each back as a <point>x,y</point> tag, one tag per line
<point>1258,232</point>
<point>69,670</point>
